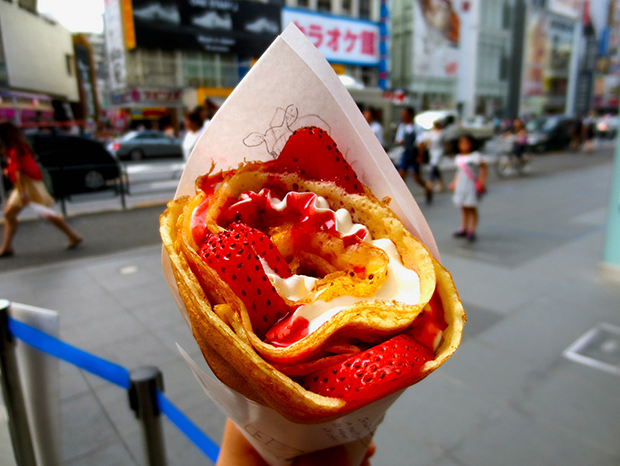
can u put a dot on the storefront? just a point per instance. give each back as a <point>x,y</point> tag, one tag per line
<point>148,108</point>
<point>25,109</point>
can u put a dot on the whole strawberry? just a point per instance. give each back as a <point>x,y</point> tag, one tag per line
<point>374,373</point>
<point>312,153</point>
<point>235,255</point>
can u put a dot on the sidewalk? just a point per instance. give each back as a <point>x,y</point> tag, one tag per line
<point>530,286</point>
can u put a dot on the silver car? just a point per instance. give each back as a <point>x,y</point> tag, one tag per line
<point>138,145</point>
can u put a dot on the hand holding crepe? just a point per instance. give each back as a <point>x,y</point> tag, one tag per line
<point>305,292</point>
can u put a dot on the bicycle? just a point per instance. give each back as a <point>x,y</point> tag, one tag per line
<point>506,162</point>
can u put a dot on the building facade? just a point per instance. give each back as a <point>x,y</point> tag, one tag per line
<point>188,51</point>
<point>425,52</point>
<point>37,66</point>
<point>494,49</point>
<point>606,89</point>
<point>452,54</point>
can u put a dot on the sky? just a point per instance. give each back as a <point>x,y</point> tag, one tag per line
<point>75,15</point>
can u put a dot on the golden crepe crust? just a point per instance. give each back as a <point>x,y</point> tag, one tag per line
<point>241,361</point>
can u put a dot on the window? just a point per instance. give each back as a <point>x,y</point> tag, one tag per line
<point>364,9</point>
<point>69,64</point>
<point>324,5</point>
<point>370,76</point>
<point>159,68</point>
<point>302,3</point>
<point>503,68</point>
<point>210,70</point>
<point>346,7</point>
<point>506,15</point>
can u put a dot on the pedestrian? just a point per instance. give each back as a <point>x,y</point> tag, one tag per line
<point>469,185</point>
<point>575,134</point>
<point>434,142</point>
<point>28,188</point>
<point>406,137</point>
<point>588,130</point>
<point>193,131</point>
<point>205,115</point>
<point>519,145</point>
<point>375,126</point>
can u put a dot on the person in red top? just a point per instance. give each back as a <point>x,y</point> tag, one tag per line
<point>28,187</point>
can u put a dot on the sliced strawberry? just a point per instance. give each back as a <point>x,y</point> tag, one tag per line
<point>234,255</point>
<point>430,323</point>
<point>312,153</point>
<point>374,373</point>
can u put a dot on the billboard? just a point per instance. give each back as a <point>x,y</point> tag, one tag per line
<point>570,8</point>
<point>339,39</point>
<point>546,61</point>
<point>436,38</point>
<point>242,27</point>
<point>115,44</point>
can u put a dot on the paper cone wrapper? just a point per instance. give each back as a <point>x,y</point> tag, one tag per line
<point>290,87</point>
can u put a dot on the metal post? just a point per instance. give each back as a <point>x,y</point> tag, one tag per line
<point>121,175</point>
<point>12,393</point>
<point>143,401</point>
<point>63,206</point>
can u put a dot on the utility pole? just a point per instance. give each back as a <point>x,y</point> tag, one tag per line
<point>516,59</point>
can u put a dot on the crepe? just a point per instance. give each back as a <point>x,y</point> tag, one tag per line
<point>221,323</point>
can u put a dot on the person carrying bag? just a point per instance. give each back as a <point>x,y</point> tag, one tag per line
<point>28,189</point>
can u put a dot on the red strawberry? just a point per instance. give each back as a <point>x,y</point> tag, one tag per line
<point>374,373</point>
<point>234,255</point>
<point>313,154</point>
<point>429,323</point>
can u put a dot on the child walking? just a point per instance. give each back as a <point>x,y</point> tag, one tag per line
<point>469,184</point>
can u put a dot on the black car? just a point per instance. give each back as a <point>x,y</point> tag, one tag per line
<point>550,132</point>
<point>75,164</point>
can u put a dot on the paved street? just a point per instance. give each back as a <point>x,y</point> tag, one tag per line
<point>531,287</point>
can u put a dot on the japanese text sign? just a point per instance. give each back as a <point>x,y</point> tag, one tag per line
<point>339,39</point>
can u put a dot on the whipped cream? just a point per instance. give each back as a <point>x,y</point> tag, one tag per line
<point>402,284</point>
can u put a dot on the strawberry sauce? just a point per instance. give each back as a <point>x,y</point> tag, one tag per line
<point>198,223</point>
<point>258,211</point>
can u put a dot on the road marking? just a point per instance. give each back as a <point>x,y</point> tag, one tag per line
<point>599,348</point>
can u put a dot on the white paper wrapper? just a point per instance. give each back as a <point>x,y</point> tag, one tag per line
<point>292,86</point>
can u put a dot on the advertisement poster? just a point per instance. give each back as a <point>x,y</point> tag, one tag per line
<point>115,44</point>
<point>218,26</point>
<point>548,49</point>
<point>340,40</point>
<point>436,38</point>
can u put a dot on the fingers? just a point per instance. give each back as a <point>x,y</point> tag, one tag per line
<point>236,450</point>
<point>372,448</point>
<point>335,456</point>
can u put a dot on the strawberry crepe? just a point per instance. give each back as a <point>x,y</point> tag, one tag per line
<point>306,293</point>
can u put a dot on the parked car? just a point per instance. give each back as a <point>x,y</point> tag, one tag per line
<point>138,145</point>
<point>549,132</point>
<point>480,128</point>
<point>75,164</point>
